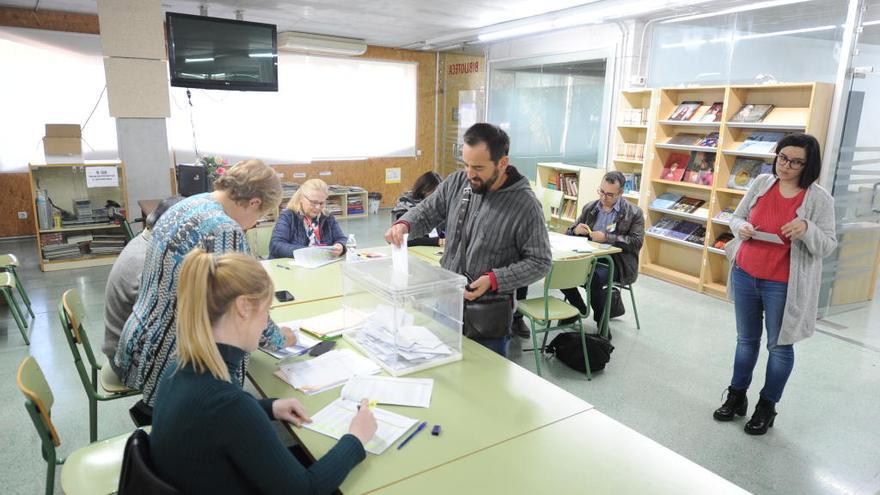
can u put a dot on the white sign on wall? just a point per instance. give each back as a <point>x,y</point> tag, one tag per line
<point>102,177</point>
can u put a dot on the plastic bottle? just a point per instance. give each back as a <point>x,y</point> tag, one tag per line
<point>44,219</point>
<point>351,248</point>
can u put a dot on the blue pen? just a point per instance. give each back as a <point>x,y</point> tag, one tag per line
<point>411,435</point>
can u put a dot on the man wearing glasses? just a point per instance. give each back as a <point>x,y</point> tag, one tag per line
<point>609,220</point>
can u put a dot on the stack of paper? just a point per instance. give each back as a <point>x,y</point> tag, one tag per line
<point>411,343</point>
<point>333,323</point>
<point>560,242</point>
<point>314,257</point>
<point>326,371</point>
<point>414,392</point>
<point>334,421</point>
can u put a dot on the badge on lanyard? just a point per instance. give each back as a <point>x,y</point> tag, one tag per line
<point>611,227</point>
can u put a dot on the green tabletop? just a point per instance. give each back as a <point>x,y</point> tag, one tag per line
<point>306,285</point>
<point>585,453</point>
<point>480,401</point>
<point>434,253</point>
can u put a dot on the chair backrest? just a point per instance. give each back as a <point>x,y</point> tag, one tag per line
<point>258,239</point>
<point>569,273</point>
<point>33,386</point>
<point>138,474</point>
<point>551,201</point>
<point>72,314</point>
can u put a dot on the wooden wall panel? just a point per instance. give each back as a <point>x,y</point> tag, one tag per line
<point>458,72</point>
<point>370,173</point>
<point>16,197</point>
<point>49,19</point>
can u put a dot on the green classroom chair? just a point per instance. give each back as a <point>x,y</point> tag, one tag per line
<point>7,283</point>
<point>9,263</point>
<point>544,310</point>
<point>89,470</point>
<point>74,325</point>
<point>632,296</point>
<point>258,239</point>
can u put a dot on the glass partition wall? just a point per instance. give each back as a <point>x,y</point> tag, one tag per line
<point>555,109</point>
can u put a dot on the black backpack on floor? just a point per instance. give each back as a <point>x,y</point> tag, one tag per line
<point>567,348</point>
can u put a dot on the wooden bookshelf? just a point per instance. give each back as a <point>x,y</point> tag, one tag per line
<point>632,138</point>
<point>64,183</point>
<point>801,107</point>
<point>587,181</point>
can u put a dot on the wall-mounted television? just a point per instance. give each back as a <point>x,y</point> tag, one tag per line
<point>213,53</point>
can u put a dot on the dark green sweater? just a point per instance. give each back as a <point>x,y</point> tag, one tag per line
<point>210,436</point>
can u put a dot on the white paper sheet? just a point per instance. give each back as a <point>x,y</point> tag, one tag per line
<point>560,242</point>
<point>400,263</point>
<point>326,371</point>
<point>314,256</point>
<point>334,421</point>
<point>767,237</point>
<point>333,323</point>
<point>414,392</point>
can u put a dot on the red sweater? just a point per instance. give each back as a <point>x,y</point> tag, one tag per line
<point>766,260</point>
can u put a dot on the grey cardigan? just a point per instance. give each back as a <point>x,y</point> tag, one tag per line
<point>805,269</point>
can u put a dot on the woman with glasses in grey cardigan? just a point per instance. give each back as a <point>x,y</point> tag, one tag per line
<point>775,285</point>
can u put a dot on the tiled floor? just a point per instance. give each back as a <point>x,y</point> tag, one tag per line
<point>664,381</point>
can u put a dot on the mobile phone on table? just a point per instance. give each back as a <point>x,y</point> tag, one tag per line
<point>283,296</point>
<point>322,347</point>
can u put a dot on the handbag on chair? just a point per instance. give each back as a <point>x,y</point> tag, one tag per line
<point>487,317</point>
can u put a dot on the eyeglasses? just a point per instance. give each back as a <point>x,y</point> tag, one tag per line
<point>314,203</point>
<point>606,195</point>
<point>792,163</point>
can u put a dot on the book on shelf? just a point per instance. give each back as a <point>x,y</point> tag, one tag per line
<point>722,240</point>
<point>76,239</point>
<point>702,212</point>
<point>53,238</point>
<point>685,138</point>
<point>744,172</point>
<point>631,151</point>
<point>633,182</point>
<point>698,236</point>
<point>700,169</point>
<point>687,205</point>
<point>709,140</point>
<point>634,116</point>
<point>568,209</point>
<point>761,142</point>
<point>665,200</point>
<point>685,110</point>
<point>752,113</point>
<point>724,215</point>
<point>565,182</point>
<point>663,226</point>
<point>713,113</point>
<point>675,165</point>
<point>682,229</point>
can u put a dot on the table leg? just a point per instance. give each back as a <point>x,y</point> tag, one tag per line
<point>609,291</point>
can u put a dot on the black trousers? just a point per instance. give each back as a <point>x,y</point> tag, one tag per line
<point>597,293</point>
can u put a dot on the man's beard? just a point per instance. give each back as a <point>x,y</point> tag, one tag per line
<point>484,186</point>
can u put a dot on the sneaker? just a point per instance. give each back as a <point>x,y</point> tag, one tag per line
<point>520,329</point>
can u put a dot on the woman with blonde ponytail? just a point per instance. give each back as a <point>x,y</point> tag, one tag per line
<point>209,435</point>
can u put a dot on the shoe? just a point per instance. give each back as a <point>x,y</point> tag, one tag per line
<point>763,418</point>
<point>520,329</point>
<point>736,404</point>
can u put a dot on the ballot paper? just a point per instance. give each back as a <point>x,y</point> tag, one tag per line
<point>410,345</point>
<point>304,342</point>
<point>400,263</point>
<point>560,242</point>
<point>314,257</point>
<point>414,392</point>
<point>327,371</point>
<point>335,419</point>
<point>333,323</point>
<point>767,237</point>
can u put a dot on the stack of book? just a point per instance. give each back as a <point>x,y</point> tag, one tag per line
<point>722,240</point>
<point>82,208</point>
<point>634,116</point>
<point>334,206</point>
<point>107,243</point>
<point>724,215</point>
<point>633,183</point>
<point>355,204</point>
<point>683,204</point>
<point>568,211</point>
<point>631,151</point>
<point>565,182</point>
<point>681,230</point>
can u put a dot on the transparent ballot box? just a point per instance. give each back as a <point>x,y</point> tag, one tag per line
<point>406,319</point>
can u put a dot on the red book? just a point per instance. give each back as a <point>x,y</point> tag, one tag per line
<point>675,166</point>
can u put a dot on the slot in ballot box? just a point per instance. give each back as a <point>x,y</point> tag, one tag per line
<point>406,318</point>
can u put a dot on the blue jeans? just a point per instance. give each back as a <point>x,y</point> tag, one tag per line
<point>760,303</point>
<point>500,346</point>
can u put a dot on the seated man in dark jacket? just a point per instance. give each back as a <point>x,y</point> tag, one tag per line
<point>609,220</point>
<point>305,223</point>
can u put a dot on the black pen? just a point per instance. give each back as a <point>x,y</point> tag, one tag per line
<point>285,267</point>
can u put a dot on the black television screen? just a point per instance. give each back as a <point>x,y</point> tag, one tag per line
<point>213,53</point>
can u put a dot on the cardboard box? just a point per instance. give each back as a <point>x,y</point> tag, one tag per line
<point>63,131</point>
<point>62,139</point>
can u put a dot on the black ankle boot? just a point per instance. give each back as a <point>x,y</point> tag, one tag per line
<point>765,415</point>
<point>736,404</point>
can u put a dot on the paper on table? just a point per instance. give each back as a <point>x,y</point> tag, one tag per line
<point>333,323</point>
<point>335,419</point>
<point>415,392</point>
<point>326,371</point>
<point>400,263</point>
<point>314,256</point>
<point>767,237</point>
<point>304,342</point>
<point>560,242</point>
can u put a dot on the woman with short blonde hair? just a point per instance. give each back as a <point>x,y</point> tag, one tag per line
<point>215,221</point>
<point>209,435</point>
<point>305,223</point>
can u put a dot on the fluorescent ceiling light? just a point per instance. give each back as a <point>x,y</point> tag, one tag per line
<point>205,59</point>
<point>752,36</point>
<point>734,10</point>
<point>536,27</point>
<point>261,55</point>
<point>870,23</point>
